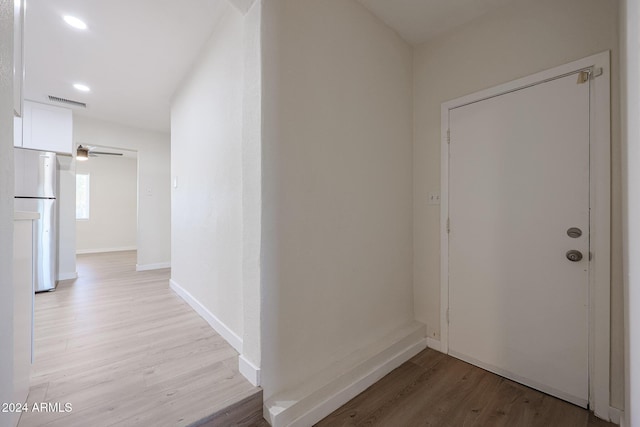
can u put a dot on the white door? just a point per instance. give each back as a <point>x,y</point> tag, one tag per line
<point>518,181</point>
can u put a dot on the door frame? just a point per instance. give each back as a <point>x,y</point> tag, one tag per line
<point>599,204</point>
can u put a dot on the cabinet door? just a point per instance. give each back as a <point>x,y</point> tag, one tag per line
<point>47,128</point>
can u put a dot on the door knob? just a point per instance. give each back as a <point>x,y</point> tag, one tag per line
<point>574,256</point>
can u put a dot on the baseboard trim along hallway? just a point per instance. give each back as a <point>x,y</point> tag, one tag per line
<point>327,391</point>
<point>434,344</point>
<point>249,371</point>
<point>225,332</point>
<point>148,267</point>
<point>103,250</point>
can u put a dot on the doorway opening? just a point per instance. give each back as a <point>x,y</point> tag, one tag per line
<point>106,189</point>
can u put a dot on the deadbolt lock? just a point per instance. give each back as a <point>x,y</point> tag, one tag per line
<point>574,256</point>
<point>574,232</point>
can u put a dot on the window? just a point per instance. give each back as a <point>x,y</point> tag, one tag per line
<point>83,188</point>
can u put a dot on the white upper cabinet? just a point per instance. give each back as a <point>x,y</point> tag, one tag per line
<point>47,128</point>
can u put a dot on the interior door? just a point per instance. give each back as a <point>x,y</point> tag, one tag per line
<point>518,204</point>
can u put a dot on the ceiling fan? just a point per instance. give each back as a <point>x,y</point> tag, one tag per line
<point>84,152</point>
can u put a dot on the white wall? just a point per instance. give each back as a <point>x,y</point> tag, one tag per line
<point>6,207</point>
<point>206,160</point>
<point>113,205</point>
<point>630,101</point>
<point>337,190</point>
<point>66,218</point>
<point>511,42</point>
<point>154,180</point>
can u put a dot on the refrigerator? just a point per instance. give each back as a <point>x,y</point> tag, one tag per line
<point>35,191</point>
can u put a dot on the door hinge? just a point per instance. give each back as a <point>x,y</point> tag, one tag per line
<point>448,226</point>
<point>448,136</point>
<point>448,315</point>
<point>586,75</point>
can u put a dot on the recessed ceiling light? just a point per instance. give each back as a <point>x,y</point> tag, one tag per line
<point>75,22</point>
<point>81,87</point>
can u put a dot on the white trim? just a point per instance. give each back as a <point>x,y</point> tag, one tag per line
<point>249,370</point>
<point>599,277</point>
<point>600,236</point>
<point>324,393</point>
<point>67,276</point>
<point>444,234</point>
<point>157,266</point>
<point>101,250</point>
<point>434,344</point>
<point>222,329</point>
<point>616,415</point>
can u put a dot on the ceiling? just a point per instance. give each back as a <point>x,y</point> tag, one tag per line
<point>417,21</point>
<point>135,53</point>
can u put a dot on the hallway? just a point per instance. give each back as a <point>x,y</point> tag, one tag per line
<point>123,349</point>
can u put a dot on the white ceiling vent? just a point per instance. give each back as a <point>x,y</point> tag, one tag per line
<point>67,101</point>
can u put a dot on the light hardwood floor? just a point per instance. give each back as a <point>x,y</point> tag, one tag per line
<point>433,389</point>
<point>124,350</point>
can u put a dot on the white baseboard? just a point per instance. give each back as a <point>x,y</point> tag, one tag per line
<point>67,276</point>
<point>616,415</point>
<point>249,371</point>
<point>101,250</point>
<point>147,267</point>
<point>222,329</point>
<point>434,344</point>
<point>342,381</point>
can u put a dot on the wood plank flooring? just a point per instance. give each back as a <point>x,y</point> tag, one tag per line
<point>124,350</point>
<point>433,389</point>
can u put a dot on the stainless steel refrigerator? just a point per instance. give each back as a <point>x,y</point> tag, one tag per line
<point>36,186</point>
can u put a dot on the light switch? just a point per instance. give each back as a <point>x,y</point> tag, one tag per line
<point>149,192</point>
<point>433,199</point>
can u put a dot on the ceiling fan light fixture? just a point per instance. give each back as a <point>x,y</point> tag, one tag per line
<point>82,153</point>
